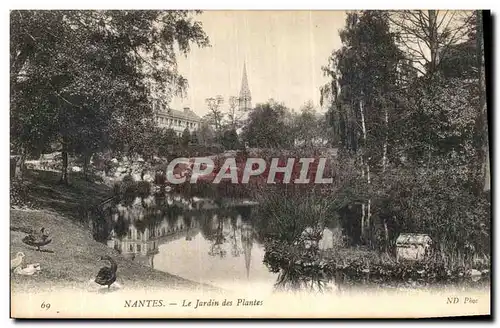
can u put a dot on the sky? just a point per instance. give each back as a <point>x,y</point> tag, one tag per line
<point>283,51</point>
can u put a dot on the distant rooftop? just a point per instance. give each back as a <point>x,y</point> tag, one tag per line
<point>186,113</point>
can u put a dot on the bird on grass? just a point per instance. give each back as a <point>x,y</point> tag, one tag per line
<point>30,269</point>
<point>107,275</point>
<point>37,239</point>
<point>15,262</point>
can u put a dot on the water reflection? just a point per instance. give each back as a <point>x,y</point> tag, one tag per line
<point>199,239</point>
<point>137,230</point>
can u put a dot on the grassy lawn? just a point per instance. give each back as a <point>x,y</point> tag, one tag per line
<point>72,257</point>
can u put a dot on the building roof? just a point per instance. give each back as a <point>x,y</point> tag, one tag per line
<point>413,239</point>
<point>186,114</point>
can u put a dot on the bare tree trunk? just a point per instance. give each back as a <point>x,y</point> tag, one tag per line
<point>486,170</point>
<point>483,114</point>
<point>19,169</point>
<point>64,169</point>
<point>386,235</point>
<point>433,40</point>
<point>386,137</point>
<point>362,205</point>
<point>367,166</point>
<point>384,165</point>
<point>86,162</point>
<point>368,206</point>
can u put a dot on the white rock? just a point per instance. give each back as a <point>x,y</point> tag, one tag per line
<point>76,169</point>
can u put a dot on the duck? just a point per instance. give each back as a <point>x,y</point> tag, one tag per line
<point>14,263</point>
<point>107,275</point>
<point>30,269</point>
<point>37,239</point>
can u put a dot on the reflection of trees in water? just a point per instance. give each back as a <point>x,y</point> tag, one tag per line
<point>221,226</point>
<point>151,219</point>
<point>102,222</point>
<point>121,226</point>
<point>206,189</point>
<point>213,230</point>
<point>171,214</point>
<point>244,211</point>
<point>298,266</point>
<point>188,221</point>
<point>207,230</point>
<point>216,249</point>
<point>144,213</point>
<point>200,189</point>
<point>235,249</point>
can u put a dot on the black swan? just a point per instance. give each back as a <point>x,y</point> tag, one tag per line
<point>37,239</point>
<point>107,275</point>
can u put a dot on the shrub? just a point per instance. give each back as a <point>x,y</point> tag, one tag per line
<point>291,224</point>
<point>19,194</point>
<point>285,213</point>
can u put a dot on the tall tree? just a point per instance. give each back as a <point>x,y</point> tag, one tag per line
<point>306,125</point>
<point>92,74</point>
<point>215,114</point>
<point>185,138</point>
<point>482,124</point>
<point>165,141</point>
<point>362,92</point>
<point>233,114</point>
<point>266,126</point>
<point>206,134</point>
<point>426,35</point>
<point>230,139</point>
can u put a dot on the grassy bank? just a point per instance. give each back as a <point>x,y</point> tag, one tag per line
<point>72,256</point>
<point>43,190</point>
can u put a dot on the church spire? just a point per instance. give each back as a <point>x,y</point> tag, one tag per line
<point>245,99</point>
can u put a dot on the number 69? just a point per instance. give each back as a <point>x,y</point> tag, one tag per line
<point>45,306</point>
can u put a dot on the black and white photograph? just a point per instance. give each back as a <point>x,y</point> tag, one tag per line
<point>250,163</point>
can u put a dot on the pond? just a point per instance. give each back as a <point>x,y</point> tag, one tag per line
<point>236,244</point>
<point>200,239</point>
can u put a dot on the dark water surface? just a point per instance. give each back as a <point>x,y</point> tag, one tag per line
<point>199,239</point>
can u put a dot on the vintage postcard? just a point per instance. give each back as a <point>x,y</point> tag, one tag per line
<point>249,164</point>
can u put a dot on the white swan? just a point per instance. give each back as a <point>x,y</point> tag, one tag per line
<point>30,270</point>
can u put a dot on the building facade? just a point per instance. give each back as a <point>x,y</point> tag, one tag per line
<point>175,119</point>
